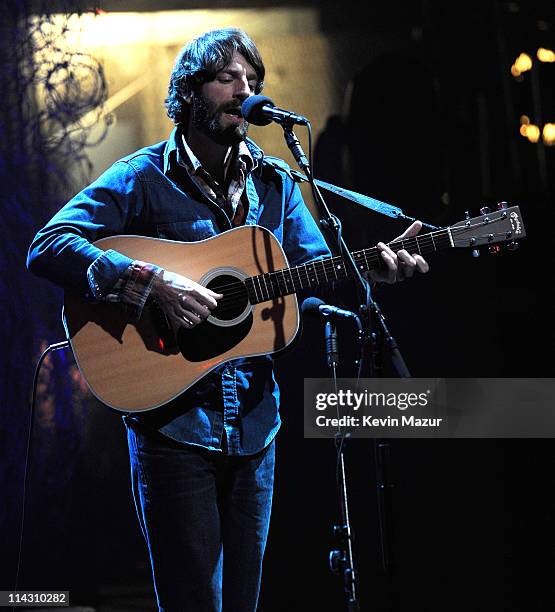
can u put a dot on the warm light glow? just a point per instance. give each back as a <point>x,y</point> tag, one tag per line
<point>523,62</point>
<point>515,71</point>
<point>524,120</point>
<point>137,51</point>
<point>549,134</point>
<point>165,28</point>
<point>545,55</point>
<point>533,133</point>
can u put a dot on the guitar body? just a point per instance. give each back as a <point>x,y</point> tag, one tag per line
<point>139,366</point>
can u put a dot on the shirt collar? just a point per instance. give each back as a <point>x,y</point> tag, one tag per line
<point>174,150</point>
<point>239,152</point>
<point>190,156</point>
<point>171,150</point>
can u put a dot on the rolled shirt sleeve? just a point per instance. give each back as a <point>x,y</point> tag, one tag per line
<point>133,288</point>
<point>63,251</point>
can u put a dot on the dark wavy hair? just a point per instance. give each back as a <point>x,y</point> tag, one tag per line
<point>200,61</point>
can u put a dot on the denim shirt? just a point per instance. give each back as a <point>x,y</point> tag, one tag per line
<point>234,408</point>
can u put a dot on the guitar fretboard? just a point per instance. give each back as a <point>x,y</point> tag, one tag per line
<point>273,285</point>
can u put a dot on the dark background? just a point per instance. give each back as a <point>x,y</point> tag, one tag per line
<point>433,127</point>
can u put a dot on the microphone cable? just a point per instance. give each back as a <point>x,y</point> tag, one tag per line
<point>53,347</point>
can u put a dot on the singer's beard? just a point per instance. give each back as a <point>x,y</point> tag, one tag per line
<point>206,118</point>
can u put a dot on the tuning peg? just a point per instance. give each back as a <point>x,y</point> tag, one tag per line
<point>494,249</point>
<point>485,210</point>
<point>502,205</point>
<point>512,246</point>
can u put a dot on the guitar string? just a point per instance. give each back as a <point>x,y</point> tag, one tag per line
<point>236,292</point>
<point>370,252</point>
<point>328,263</point>
<point>236,296</point>
<point>328,266</point>
<point>319,273</point>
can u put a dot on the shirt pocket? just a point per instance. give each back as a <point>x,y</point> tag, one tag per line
<point>186,231</point>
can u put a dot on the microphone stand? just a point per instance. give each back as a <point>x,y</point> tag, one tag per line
<point>369,309</point>
<point>369,312</point>
<point>341,560</point>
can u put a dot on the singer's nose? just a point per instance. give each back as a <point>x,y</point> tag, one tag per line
<point>242,91</point>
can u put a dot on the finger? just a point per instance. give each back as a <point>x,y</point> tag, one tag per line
<point>421,264</point>
<point>389,257</point>
<point>213,294</point>
<point>207,298</point>
<point>189,302</point>
<point>384,248</point>
<point>199,309</point>
<point>412,230</point>
<point>189,309</point>
<point>390,262</point>
<point>181,320</point>
<point>406,258</point>
<point>406,264</point>
<point>391,267</point>
<point>191,318</point>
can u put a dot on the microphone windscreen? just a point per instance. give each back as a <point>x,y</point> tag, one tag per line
<point>251,109</point>
<point>311,306</point>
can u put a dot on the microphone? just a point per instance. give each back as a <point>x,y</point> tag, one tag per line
<point>260,110</point>
<point>315,306</point>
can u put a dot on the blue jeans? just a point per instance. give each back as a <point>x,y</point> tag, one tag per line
<point>205,518</point>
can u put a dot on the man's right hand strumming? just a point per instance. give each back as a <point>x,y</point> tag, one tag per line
<point>185,302</point>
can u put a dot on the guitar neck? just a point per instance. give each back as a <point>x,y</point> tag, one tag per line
<point>283,282</point>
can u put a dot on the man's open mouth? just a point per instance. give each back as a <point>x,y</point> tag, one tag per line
<point>236,112</point>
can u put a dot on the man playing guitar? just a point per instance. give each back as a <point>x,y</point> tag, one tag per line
<point>201,464</point>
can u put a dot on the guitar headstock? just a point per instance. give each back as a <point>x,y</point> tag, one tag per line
<point>491,228</point>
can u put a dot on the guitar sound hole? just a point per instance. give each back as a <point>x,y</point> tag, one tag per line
<point>235,300</point>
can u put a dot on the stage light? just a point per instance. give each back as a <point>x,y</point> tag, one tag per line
<point>548,134</point>
<point>545,55</point>
<point>532,133</point>
<point>523,63</point>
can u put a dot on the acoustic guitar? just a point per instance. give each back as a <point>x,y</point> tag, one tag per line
<point>140,366</point>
